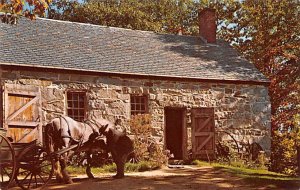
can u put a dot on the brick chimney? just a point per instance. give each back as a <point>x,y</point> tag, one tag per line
<point>207,25</point>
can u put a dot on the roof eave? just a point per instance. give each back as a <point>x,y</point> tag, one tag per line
<point>32,67</point>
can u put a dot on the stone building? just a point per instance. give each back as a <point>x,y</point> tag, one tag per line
<point>191,86</point>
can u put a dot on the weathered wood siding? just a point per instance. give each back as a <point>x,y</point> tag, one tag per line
<point>22,113</point>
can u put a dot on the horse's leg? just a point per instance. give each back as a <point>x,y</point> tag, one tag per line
<point>121,160</point>
<point>88,166</point>
<point>63,163</point>
<point>57,171</point>
<point>66,177</point>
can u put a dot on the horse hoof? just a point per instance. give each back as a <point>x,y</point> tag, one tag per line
<point>59,180</point>
<point>118,176</point>
<point>91,177</point>
<point>70,181</point>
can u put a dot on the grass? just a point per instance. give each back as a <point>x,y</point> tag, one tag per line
<point>257,177</point>
<point>111,168</point>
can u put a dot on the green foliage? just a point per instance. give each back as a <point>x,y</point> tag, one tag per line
<point>141,166</point>
<point>28,8</point>
<point>112,168</point>
<point>236,161</point>
<point>166,16</point>
<point>267,33</point>
<point>285,153</point>
<point>145,147</point>
<point>244,170</point>
<point>132,167</point>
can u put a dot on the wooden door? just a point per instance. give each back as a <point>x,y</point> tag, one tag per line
<point>203,133</point>
<point>23,118</point>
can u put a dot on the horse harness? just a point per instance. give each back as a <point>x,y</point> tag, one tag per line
<point>80,141</point>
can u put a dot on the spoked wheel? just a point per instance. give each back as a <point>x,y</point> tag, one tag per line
<point>7,163</point>
<point>34,169</point>
<point>132,158</point>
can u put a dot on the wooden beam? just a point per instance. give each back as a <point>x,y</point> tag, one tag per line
<point>201,134</point>
<point>204,143</point>
<point>22,93</point>
<point>202,125</point>
<point>30,133</point>
<point>23,88</point>
<point>23,123</point>
<point>23,108</point>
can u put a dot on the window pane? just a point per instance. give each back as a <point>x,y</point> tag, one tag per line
<point>138,107</point>
<point>70,112</point>
<point>81,98</point>
<point>74,104</point>
<point>138,99</point>
<point>69,104</point>
<point>81,104</point>
<point>69,96</point>
<point>81,113</point>
<point>133,107</point>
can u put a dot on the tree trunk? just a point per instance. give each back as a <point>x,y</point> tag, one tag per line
<point>1,102</point>
<point>298,159</point>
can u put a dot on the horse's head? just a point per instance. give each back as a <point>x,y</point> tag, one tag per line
<point>103,126</point>
<point>103,129</point>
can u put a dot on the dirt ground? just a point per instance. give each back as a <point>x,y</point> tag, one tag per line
<point>188,177</point>
<point>164,179</point>
<point>185,178</point>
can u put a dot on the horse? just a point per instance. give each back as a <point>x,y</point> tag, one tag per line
<point>64,133</point>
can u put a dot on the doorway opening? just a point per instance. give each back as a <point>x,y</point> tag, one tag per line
<point>174,131</point>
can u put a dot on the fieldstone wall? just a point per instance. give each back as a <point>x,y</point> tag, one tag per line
<point>242,110</point>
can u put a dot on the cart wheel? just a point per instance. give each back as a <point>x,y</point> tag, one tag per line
<point>7,163</point>
<point>34,168</point>
<point>132,158</point>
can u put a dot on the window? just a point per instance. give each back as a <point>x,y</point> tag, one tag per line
<point>139,104</point>
<point>76,105</point>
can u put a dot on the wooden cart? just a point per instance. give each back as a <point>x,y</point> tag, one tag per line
<point>28,164</point>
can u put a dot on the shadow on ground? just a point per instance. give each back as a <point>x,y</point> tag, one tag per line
<point>206,178</point>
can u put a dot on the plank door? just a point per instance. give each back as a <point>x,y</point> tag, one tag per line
<point>203,133</point>
<point>22,117</point>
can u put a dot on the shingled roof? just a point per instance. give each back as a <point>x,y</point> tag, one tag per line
<point>76,46</point>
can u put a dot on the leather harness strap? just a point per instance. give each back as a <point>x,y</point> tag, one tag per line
<point>93,123</point>
<point>69,131</point>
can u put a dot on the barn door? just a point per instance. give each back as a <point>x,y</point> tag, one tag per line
<point>22,119</point>
<point>203,133</point>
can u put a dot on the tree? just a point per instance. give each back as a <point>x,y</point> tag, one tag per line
<point>167,16</point>
<point>267,33</point>
<point>29,8</point>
